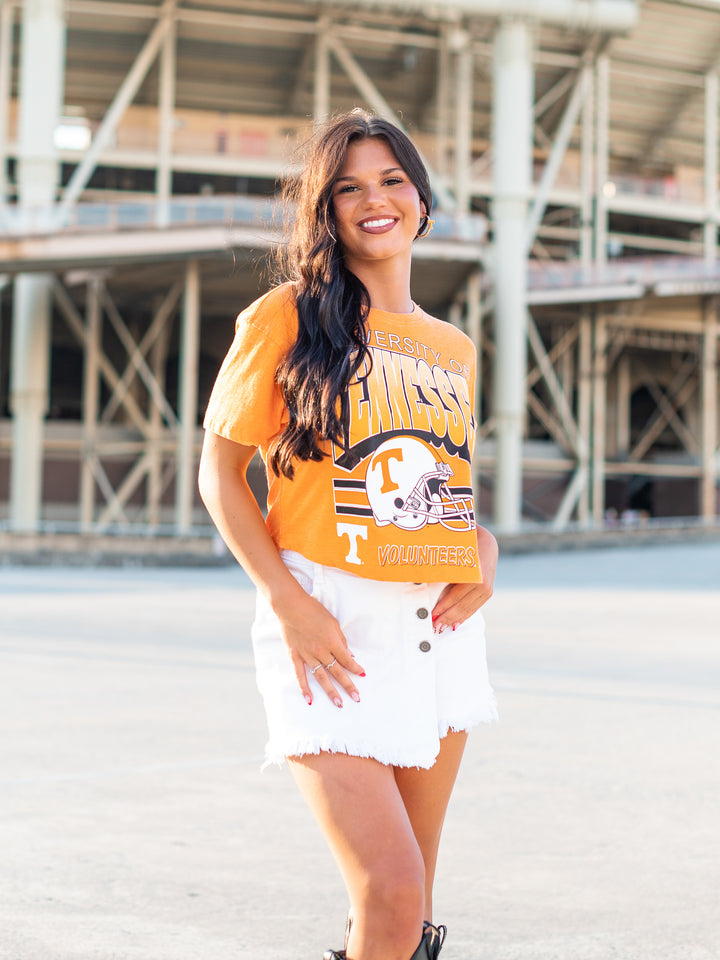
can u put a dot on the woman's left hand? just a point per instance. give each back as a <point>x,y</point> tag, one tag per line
<point>458,601</point>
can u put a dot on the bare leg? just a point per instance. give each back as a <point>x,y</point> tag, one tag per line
<point>426,794</point>
<point>361,812</point>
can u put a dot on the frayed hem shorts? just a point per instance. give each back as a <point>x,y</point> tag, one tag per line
<point>418,685</point>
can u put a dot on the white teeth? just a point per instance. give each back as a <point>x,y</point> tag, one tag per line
<point>378,223</point>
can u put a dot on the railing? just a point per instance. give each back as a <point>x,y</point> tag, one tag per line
<point>647,271</point>
<point>198,211</point>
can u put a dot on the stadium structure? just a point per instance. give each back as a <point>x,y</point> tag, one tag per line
<point>573,149</point>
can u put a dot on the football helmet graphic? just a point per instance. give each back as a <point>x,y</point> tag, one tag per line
<point>408,486</point>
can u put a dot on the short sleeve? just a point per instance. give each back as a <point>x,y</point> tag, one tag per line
<point>246,405</point>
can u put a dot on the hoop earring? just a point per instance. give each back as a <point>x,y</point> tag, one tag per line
<point>425,228</point>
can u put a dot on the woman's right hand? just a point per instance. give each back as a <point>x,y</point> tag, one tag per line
<point>312,635</point>
<point>316,645</point>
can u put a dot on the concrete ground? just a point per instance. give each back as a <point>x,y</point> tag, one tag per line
<point>136,824</point>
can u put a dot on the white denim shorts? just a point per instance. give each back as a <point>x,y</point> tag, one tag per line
<point>418,685</point>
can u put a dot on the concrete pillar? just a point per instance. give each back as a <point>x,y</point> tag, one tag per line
<point>188,399</point>
<point>512,141</point>
<point>29,377</point>
<point>41,95</point>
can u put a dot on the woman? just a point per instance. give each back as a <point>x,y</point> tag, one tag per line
<point>368,641</point>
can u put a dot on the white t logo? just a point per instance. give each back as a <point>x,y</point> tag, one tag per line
<point>353,531</point>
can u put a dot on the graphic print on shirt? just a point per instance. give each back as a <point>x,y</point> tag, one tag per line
<point>407,414</point>
<point>406,485</point>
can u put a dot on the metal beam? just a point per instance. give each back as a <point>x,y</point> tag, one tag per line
<point>586,174</point>
<point>602,148</point>
<point>622,407</point>
<point>322,84</point>
<point>7,16</point>
<point>188,383</point>
<point>576,441</point>
<point>136,359</point>
<point>166,124</point>
<point>599,421</point>
<point>712,98</point>
<point>121,101</point>
<point>375,99</point>
<point>562,139</point>
<point>709,412</point>
<point>570,499</point>
<point>76,325</point>
<point>90,400</point>
<point>463,121</point>
<point>584,408</point>
<point>296,100</point>
<point>140,350</point>
<point>681,388</point>
<point>443,98</point>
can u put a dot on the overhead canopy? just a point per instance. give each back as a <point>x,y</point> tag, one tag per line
<point>256,57</point>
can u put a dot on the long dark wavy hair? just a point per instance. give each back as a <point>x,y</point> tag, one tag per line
<point>332,303</point>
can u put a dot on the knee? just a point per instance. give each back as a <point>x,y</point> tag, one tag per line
<point>395,899</point>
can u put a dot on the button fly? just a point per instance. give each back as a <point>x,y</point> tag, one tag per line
<point>422,613</point>
<point>425,646</point>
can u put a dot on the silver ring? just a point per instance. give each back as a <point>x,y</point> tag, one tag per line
<point>313,669</point>
<point>328,665</point>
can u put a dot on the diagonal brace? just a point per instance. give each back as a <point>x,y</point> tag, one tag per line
<point>123,98</point>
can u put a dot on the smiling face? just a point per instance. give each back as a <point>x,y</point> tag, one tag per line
<point>377,207</point>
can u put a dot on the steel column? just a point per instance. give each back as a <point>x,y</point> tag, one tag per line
<point>321,103</point>
<point>586,174</point>
<point>91,401</point>
<point>29,375</point>
<point>585,409</point>
<point>602,126</point>
<point>463,122</point>
<point>188,399</point>
<point>7,13</point>
<point>158,361</point>
<point>166,123</point>
<point>622,407</point>
<point>442,97</point>
<point>711,168</point>
<point>512,137</point>
<point>599,421</point>
<point>709,400</point>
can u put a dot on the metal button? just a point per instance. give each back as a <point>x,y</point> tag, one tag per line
<point>422,613</point>
<point>425,645</point>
